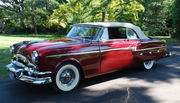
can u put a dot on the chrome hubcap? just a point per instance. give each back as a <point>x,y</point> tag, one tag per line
<point>67,77</point>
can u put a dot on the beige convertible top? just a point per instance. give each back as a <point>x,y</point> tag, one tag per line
<point>137,29</point>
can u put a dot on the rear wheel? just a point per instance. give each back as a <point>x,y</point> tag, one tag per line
<point>67,78</point>
<point>148,65</point>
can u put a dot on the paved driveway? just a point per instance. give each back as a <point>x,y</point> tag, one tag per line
<point>160,85</point>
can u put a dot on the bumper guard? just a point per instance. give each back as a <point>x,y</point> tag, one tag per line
<point>18,73</point>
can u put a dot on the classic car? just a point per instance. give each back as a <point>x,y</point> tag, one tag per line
<point>88,50</point>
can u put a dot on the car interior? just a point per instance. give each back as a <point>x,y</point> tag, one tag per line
<point>117,33</point>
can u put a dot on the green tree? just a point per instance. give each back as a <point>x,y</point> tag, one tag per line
<point>155,20</point>
<point>28,14</point>
<point>78,11</point>
<point>12,10</point>
<point>176,18</point>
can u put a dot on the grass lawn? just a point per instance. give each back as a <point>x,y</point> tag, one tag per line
<point>7,40</point>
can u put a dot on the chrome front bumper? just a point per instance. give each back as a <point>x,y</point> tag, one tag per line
<point>18,73</point>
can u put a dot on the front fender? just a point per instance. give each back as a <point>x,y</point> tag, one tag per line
<point>52,63</point>
<point>67,60</point>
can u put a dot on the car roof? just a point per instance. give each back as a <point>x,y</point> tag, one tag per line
<point>137,29</point>
<point>108,24</point>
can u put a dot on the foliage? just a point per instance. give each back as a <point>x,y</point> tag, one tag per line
<point>27,15</point>
<point>155,17</point>
<point>176,18</point>
<point>79,11</point>
<point>155,20</point>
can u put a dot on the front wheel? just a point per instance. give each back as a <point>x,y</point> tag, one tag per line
<point>148,65</point>
<point>67,78</point>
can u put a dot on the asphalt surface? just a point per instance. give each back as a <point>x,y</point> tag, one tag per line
<point>160,85</point>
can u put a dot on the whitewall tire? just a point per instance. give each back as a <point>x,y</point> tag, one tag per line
<point>67,78</point>
<point>148,65</point>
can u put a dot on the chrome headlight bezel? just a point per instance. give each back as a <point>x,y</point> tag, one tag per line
<point>34,56</point>
<point>11,50</point>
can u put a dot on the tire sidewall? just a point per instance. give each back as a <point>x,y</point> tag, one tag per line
<point>148,67</point>
<point>58,85</point>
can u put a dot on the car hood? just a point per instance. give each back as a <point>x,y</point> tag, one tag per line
<point>52,44</point>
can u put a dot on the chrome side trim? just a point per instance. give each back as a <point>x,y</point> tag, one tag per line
<point>150,48</point>
<point>107,50</point>
<point>61,55</point>
<point>130,48</point>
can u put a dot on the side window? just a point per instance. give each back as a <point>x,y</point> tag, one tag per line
<point>131,34</point>
<point>105,34</point>
<point>117,33</point>
<point>123,31</point>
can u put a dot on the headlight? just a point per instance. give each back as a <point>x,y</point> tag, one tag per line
<point>12,49</point>
<point>34,56</point>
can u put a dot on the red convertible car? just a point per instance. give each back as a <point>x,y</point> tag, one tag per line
<point>88,50</point>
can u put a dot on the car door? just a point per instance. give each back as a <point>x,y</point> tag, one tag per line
<point>89,56</point>
<point>115,49</point>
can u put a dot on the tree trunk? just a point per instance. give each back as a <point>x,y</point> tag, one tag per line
<point>47,4</point>
<point>103,16</point>
<point>34,21</point>
<point>22,23</point>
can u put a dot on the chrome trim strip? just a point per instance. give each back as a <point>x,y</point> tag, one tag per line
<point>108,40</point>
<point>130,48</point>
<point>107,50</point>
<point>150,48</point>
<point>42,73</point>
<point>60,55</point>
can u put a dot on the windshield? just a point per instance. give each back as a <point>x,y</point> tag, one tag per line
<point>86,32</point>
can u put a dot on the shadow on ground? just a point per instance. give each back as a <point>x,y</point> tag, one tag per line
<point>23,93</point>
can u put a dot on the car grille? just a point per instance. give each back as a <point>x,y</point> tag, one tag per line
<point>22,60</point>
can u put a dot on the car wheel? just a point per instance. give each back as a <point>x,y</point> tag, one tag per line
<point>67,78</point>
<point>148,65</point>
